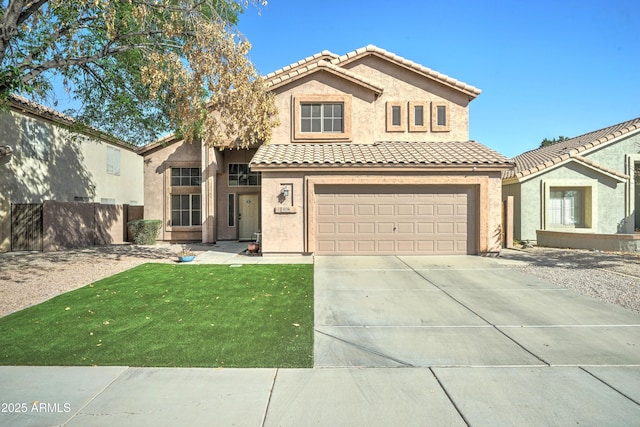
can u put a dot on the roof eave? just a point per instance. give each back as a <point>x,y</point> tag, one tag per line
<point>375,89</point>
<point>443,79</point>
<point>160,143</point>
<point>27,106</point>
<point>481,167</point>
<point>531,173</point>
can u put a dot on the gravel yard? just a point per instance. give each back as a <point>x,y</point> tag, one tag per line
<point>30,278</point>
<point>610,277</point>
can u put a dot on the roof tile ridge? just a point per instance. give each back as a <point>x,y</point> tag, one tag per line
<point>349,73</point>
<point>299,63</point>
<point>18,99</point>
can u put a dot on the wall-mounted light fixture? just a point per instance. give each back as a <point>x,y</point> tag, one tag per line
<point>286,193</point>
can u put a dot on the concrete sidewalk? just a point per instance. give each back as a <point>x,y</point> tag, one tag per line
<point>502,396</point>
<point>410,341</point>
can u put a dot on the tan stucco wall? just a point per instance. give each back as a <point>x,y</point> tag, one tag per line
<point>51,163</point>
<point>294,232</point>
<point>157,188</point>
<point>368,112</point>
<point>126,188</point>
<point>362,105</point>
<point>404,85</point>
<point>214,191</point>
<point>283,232</point>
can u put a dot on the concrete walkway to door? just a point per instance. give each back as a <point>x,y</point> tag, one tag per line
<point>495,339</point>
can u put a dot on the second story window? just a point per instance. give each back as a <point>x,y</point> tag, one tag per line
<point>328,117</point>
<point>185,177</point>
<point>418,116</point>
<point>396,112</point>
<point>440,117</point>
<point>113,161</point>
<point>396,116</point>
<point>324,117</point>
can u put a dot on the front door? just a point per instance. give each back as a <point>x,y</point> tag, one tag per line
<point>248,216</point>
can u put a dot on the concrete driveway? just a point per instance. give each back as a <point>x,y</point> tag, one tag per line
<point>506,348</point>
<point>417,311</point>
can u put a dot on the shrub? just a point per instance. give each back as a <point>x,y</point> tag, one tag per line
<point>144,231</point>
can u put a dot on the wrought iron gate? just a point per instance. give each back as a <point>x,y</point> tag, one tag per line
<point>26,227</point>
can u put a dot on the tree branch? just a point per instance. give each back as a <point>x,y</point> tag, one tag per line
<point>30,11</point>
<point>69,62</point>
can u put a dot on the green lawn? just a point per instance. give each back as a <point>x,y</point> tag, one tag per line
<point>172,315</point>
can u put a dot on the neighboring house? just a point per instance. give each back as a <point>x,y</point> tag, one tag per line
<point>582,188</point>
<point>42,159</point>
<point>371,157</point>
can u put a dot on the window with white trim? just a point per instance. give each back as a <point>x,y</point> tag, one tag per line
<point>185,210</point>
<point>567,207</point>
<point>35,140</point>
<point>113,161</point>
<point>241,175</point>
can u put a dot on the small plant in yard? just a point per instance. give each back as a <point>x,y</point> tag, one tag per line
<point>144,231</point>
<point>185,251</point>
<point>185,254</point>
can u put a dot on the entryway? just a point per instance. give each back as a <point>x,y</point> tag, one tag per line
<point>248,216</point>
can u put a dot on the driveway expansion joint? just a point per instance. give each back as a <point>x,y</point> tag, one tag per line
<point>446,393</point>
<point>609,385</point>
<point>474,312</point>
<point>367,350</point>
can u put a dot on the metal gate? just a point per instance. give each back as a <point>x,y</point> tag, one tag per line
<point>26,227</point>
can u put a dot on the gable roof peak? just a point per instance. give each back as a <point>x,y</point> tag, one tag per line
<point>370,49</point>
<point>325,54</point>
<point>535,160</point>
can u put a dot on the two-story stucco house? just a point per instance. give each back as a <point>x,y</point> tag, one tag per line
<point>372,156</point>
<point>41,159</point>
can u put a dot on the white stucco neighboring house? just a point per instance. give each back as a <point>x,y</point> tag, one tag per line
<point>41,158</point>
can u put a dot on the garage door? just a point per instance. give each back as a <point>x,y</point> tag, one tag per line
<point>395,219</point>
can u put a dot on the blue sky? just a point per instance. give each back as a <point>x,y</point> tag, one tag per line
<point>545,68</point>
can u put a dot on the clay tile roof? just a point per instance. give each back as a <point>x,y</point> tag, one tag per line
<point>428,72</point>
<point>464,153</point>
<point>26,105</point>
<point>23,103</point>
<point>321,65</point>
<point>324,55</point>
<point>541,158</point>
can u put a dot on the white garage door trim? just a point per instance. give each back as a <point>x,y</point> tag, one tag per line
<point>395,219</point>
